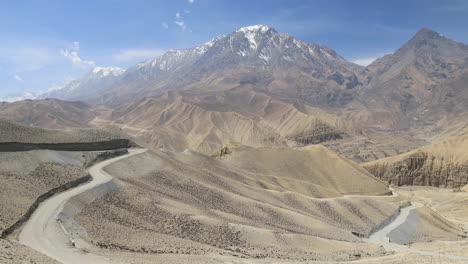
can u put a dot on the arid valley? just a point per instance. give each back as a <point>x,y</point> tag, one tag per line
<point>253,147</point>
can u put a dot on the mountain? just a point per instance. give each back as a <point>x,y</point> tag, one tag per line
<point>419,88</point>
<point>257,55</point>
<point>422,85</point>
<point>99,79</point>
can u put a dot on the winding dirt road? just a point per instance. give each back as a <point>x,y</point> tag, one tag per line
<point>381,237</point>
<point>45,234</point>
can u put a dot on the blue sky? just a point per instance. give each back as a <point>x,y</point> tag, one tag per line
<point>45,44</point>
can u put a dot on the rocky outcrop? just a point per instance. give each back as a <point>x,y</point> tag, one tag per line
<point>421,168</point>
<point>319,133</point>
<point>222,152</point>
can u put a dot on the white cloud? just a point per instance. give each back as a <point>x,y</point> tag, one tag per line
<point>18,78</point>
<point>191,1</point>
<point>164,25</point>
<point>23,96</point>
<point>365,61</point>
<point>73,56</point>
<point>179,22</point>
<point>135,55</point>
<point>55,87</point>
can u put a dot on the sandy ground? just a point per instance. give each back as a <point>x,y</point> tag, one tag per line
<point>19,191</point>
<point>12,252</point>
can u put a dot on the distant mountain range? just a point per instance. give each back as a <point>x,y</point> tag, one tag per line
<point>259,87</point>
<point>417,85</point>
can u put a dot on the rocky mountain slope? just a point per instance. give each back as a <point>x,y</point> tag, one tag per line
<point>419,87</point>
<point>258,55</point>
<point>206,122</point>
<point>442,164</point>
<point>422,85</point>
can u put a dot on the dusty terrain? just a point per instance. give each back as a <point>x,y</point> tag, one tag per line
<point>203,207</point>
<point>20,188</point>
<point>28,187</point>
<point>285,224</point>
<point>12,252</point>
<point>187,207</point>
<point>206,122</point>
<point>293,206</point>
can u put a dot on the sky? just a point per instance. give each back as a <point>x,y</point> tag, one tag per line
<point>46,44</point>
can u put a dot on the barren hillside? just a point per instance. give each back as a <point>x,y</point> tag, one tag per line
<point>50,113</point>
<point>189,203</point>
<point>441,164</point>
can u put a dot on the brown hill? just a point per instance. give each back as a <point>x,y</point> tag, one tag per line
<point>13,132</point>
<point>314,170</point>
<point>206,122</point>
<point>189,203</point>
<point>50,113</point>
<point>441,164</point>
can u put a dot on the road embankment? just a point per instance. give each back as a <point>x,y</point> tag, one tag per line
<point>81,146</point>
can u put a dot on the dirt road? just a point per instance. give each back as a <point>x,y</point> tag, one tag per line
<point>45,234</point>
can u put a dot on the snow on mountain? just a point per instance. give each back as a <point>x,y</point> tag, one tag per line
<point>258,44</point>
<point>249,53</point>
<point>23,96</point>
<point>98,79</point>
<point>105,71</point>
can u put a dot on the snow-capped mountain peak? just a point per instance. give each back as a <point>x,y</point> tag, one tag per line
<point>255,28</point>
<point>99,78</point>
<point>257,44</point>
<point>105,71</point>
